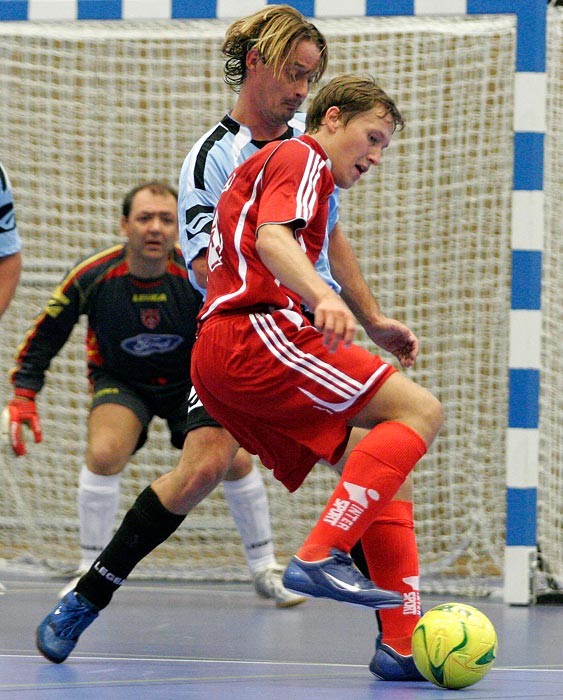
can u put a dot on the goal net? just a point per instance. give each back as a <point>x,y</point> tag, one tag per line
<point>91,109</point>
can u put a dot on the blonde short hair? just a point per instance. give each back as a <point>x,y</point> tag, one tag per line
<point>275,31</point>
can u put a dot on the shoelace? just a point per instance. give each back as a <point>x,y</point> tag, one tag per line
<point>74,621</point>
<point>356,576</point>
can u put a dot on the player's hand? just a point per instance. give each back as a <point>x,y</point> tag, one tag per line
<point>396,338</point>
<point>20,412</point>
<point>335,321</point>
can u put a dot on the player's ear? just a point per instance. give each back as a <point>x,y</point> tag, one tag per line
<point>332,118</point>
<point>123,227</point>
<point>253,58</point>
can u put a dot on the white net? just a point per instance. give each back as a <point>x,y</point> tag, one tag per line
<point>550,513</point>
<point>90,109</point>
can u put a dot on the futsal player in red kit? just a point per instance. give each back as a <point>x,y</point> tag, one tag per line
<point>289,390</point>
<point>271,59</point>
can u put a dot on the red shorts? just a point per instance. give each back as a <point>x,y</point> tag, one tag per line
<point>268,379</point>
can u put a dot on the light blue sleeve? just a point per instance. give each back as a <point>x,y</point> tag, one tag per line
<point>323,264</point>
<point>10,242</point>
<point>195,214</point>
<point>204,173</point>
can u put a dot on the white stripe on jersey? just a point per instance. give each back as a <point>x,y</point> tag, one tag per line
<point>227,152</point>
<point>240,140</point>
<point>242,264</point>
<point>306,194</point>
<point>322,373</point>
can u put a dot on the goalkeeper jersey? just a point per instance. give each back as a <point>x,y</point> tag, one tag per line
<point>141,331</point>
<point>9,238</point>
<point>204,173</point>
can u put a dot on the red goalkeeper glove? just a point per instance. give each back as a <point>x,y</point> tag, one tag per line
<point>21,411</point>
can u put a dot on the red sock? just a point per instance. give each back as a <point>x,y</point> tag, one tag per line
<point>374,471</point>
<point>389,546</point>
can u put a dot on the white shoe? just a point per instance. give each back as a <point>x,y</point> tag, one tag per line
<point>71,585</point>
<point>268,584</point>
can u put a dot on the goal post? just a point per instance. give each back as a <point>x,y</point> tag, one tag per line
<point>95,107</point>
<point>550,487</point>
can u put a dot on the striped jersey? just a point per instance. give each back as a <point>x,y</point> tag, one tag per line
<point>204,173</point>
<point>9,239</point>
<point>141,331</point>
<point>286,182</point>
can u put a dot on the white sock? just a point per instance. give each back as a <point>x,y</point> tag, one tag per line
<point>98,501</point>
<point>248,502</point>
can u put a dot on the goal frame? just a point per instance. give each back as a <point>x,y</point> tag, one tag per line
<point>527,226</point>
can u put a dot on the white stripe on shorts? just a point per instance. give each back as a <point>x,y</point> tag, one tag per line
<point>324,374</point>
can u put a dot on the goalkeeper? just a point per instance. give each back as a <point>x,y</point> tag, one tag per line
<point>141,311</point>
<point>271,59</point>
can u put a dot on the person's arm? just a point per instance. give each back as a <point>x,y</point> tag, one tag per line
<point>10,269</point>
<point>10,244</point>
<point>40,345</point>
<point>387,333</point>
<point>347,272</point>
<point>285,259</point>
<point>196,206</point>
<point>199,269</point>
<point>48,334</point>
<point>198,193</point>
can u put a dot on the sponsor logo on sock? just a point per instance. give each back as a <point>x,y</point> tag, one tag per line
<point>257,545</point>
<point>112,578</point>
<point>413,582</point>
<point>411,599</point>
<point>360,493</point>
<point>345,512</point>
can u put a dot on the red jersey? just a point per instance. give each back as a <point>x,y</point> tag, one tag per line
<point>259,367</point>
<point>286,182</point>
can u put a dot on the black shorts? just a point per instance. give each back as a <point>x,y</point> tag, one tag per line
<point>197,414</point>
<point>172,406</point>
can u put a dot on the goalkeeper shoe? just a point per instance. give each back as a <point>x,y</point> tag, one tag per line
<point>337,578</point>
<point>59,632</point>
<point>389,665</point>
<point>268,584</point>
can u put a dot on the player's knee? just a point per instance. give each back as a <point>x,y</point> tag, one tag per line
<point>212,466</point>
<point>241,466</point>
<point>433,415</point>
<point>107,458</point>
<point>207,455</point>
<point>196,477</point>
<point>423,414</point>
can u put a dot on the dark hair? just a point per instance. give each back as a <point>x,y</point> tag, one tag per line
<point>275,31</point>
<point>155,186</point>
<point>353,95</point>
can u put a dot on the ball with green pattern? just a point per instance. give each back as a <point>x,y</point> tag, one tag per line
<point>454,645</point>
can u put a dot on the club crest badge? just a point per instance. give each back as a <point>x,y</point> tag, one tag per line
<point>150,318</point>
